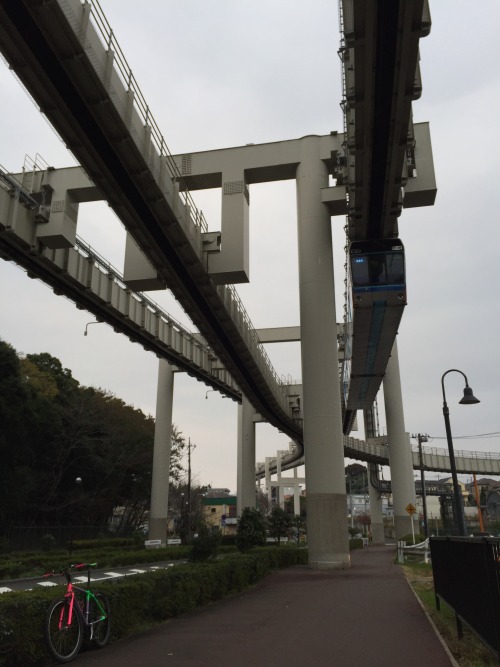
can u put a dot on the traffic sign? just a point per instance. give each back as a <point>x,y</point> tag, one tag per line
<point>410,509</point>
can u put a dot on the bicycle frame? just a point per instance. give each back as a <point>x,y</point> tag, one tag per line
<point>76,616</point>
<point>87,594</point>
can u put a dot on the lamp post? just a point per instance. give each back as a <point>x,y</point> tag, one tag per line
<point>468,399</point>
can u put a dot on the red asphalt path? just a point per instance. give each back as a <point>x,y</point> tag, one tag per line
<point>366,616</point>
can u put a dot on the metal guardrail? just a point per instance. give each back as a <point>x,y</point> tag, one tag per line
<point>13,185</point>
<point>421,549</point>
<point>465,454</point>
<point>129,81</point>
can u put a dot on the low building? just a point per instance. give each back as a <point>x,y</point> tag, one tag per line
<point>220,511</point>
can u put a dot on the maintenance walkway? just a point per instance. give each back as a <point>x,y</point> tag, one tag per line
<point>366,616</point>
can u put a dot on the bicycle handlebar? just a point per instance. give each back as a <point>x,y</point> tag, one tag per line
<point>66,570</point>
<point>81,566</point>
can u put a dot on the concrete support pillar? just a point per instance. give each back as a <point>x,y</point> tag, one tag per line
<point>376,515</point>
<point>402,481</point>
<point>161,453</point>
<point>245,464</point>
<point>296,493</point>
<point>377,518</point>
<point>268,482</point>
<point>324,449</point>
<point>280,490</point>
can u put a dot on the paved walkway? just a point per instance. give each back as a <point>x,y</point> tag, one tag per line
<point>366,616</point>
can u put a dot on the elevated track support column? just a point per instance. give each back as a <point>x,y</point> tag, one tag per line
<point>269,487</point>
<point>400,457</point>
<point>376,515</point>
<point>280,491</point>
<point>246,456</point>
<point>377,518</point>
<point>296,493</point>
<point>161,453</point>
<point>323,439</point>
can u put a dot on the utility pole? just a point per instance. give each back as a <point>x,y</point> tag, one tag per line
<point>190,447</point>
<point>422,438</point>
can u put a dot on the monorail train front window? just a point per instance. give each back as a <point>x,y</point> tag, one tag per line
<point>377,269</point>
<point>395,268</point>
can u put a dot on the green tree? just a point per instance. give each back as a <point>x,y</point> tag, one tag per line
<point>177,446</point>
<point>299,525</point>
<point>54,431</point>
<point>279,523</point>
<point>42,382</point>
<point>251,531</point>
<point>262,501</point>
<point>52,367</point>
<point>27,423</point>
<point>356,478</point>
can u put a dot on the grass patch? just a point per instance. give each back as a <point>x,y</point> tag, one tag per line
<point>469,651</point>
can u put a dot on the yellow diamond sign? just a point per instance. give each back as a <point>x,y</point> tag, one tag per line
<point>410,509</point>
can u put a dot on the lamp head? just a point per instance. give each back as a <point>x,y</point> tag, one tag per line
<point>469,397</point>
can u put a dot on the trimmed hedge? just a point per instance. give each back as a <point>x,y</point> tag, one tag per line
<point>102,543</point>
<point>138,602</point>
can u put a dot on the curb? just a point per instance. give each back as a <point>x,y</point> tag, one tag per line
<point>434,627</point>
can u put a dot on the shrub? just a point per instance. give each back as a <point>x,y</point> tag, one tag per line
<point>103,542</point>
<point>251,530</point>
<point>409,538</point>
<point>279,523</point>
<point>355,543</point>
<point>204,546</point>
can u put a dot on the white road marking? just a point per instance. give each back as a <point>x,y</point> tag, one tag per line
<point>46,583</point>
<point>109,575</point>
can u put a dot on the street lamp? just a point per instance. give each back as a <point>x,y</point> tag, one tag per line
<point>468,399</point>
<point>85,333</point>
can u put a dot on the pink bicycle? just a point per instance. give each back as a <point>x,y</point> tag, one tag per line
<point>79,614</point>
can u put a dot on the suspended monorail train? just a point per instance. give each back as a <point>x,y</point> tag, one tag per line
<point>376,299</point>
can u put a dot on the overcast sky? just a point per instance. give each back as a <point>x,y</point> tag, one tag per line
<point>226,73</point>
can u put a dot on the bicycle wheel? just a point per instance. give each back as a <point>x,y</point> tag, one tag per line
<point>101,628</point>
<point>63,639</point>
